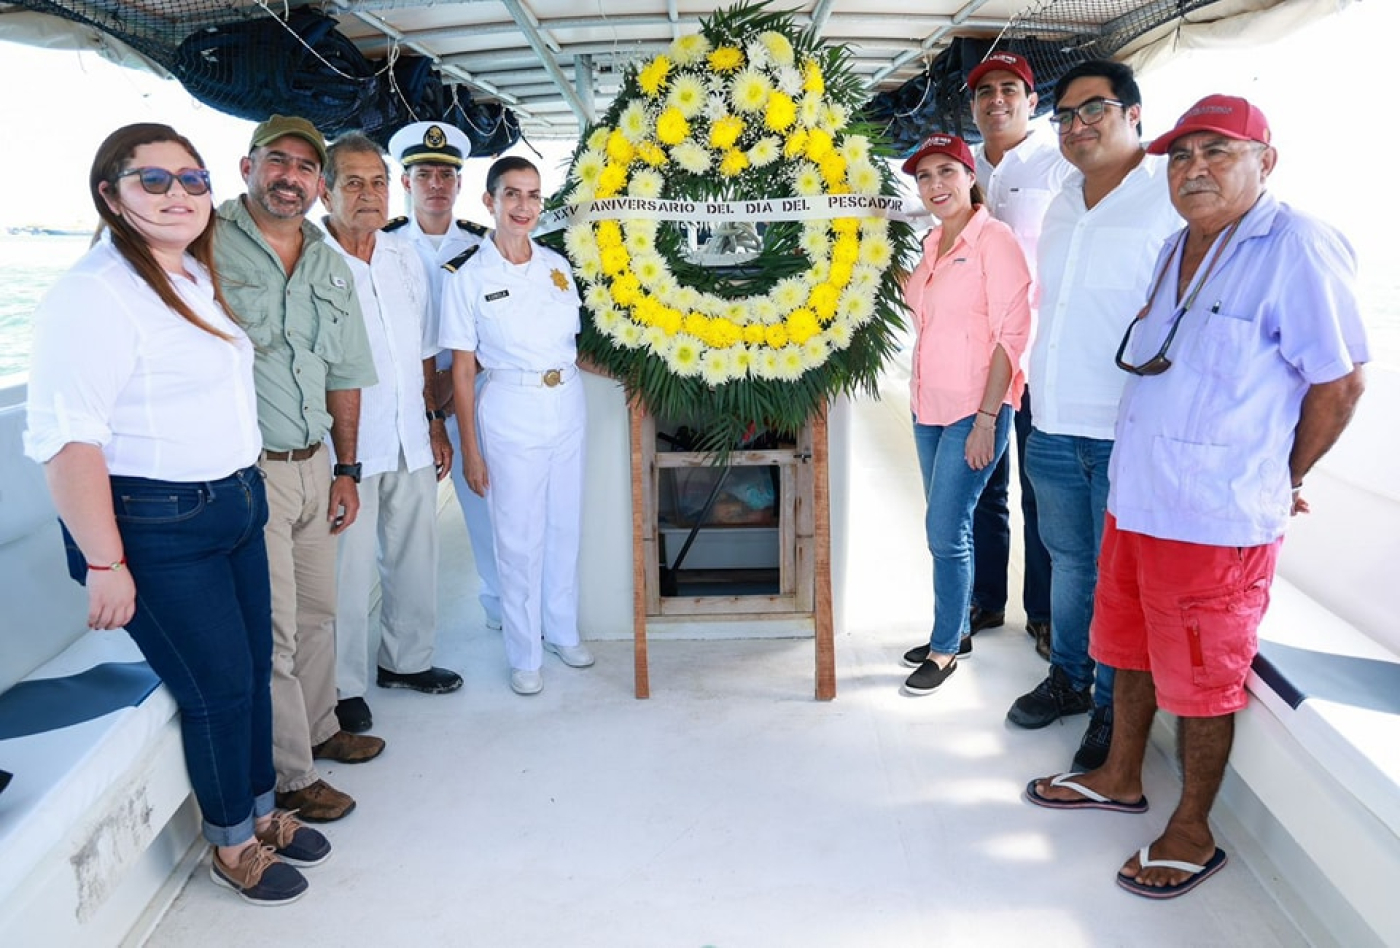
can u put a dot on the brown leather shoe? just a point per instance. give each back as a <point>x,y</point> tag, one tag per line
<point>318,803</point>
<point>347,748</point>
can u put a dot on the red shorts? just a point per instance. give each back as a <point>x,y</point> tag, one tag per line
<point>1185,612</point>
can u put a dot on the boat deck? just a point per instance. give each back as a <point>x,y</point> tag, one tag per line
<point>731,809</point>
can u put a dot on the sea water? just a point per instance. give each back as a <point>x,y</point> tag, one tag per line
<point>30,263</point>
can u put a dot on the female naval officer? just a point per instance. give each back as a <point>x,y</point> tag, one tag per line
<point>510,310</point>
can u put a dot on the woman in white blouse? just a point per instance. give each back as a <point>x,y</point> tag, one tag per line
<point>510,306</point>
<point>141,409</point>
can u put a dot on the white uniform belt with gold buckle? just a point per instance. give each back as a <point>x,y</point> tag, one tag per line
<point>543,378</point>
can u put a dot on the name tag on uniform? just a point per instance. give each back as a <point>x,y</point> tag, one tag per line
<point>500,295</point>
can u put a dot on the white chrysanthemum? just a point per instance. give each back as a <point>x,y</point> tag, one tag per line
<point>597,297</point>
<point>589,166</point>
<point>606,319</point>
<point>640,237</point>
<point>791,363</point>
<point>864,279</point>
<point>834,117</point>
<point>757,55</point>
<point>629,335</point>
<point>589,270</point>
<point>789,80</point>
<point>598,138</point>
<point>691,157</point>
<point>656,340</point>
<point>684,356</point>
<point>763,310</point>
<point>740,361</point>
<point>855,148</point>
<point>876,251</point>
<point>809,110</point>
<point>577,239</point>
<point>685,297</point>
<point>863,177</point>
<point>856,308</point>
<point>839,334</point>
<point>635,123</point>
<point>767,365</point>
<point>815,352</point>
<point>714,367</point>
<point>750,91</point>
<point>789,294</point>
<point>708,304</point>
<point>818,272</point>
<point>873,227</point>
<point>689,49</point>
<point>736,311</point>
<point>687,96</point>
<point>649,268</point>
<point>765,151</point>
<point>815,243</point>
<point>807,180</point>
<point>778,47</point>
<point>715,106</point>
<point>646,184</point>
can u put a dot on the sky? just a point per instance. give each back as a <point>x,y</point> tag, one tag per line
<point>1325,99</point>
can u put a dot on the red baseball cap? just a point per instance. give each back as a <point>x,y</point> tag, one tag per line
<point>941,144</point>
<point>1006,61</point>
<point>1227,115</point>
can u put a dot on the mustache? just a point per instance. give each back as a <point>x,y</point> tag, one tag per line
<point>1197,186</point>
<point>293,189</point>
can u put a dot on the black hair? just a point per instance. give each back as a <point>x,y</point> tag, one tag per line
<point>1120,79</point>
<point>503,166</point>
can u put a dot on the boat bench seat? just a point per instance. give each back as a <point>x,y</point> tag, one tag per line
<point>99,810</point>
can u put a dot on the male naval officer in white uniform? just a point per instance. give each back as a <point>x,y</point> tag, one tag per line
<point>432,154</point>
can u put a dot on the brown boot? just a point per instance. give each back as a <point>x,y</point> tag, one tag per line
<point>318,803</point>
<point>347,748</point>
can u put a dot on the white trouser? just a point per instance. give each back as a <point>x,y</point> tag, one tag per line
<point>478,517</point>
<point>395,534</point>
<point>533,441</point>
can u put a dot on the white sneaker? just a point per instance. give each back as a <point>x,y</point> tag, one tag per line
<point>526,681</point>
<point>575,656</point>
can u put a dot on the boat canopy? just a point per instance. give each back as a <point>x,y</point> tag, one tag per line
<point>548,68</point>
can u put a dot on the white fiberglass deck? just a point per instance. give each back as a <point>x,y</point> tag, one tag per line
<point>731,809</point>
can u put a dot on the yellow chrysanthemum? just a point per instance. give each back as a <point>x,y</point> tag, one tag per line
<point>614,260</point>
<point>750,91</point>
<point>687,96</point>
<point>625,290</point>
<point>754,334</point>
<point>651,153</point>
<point>733,163</point>
<point>823,299</point>
<point>846,250</point>
<point>686,50</point>
<point>612,180</point>
<point>609,234</point>
<point>691,157</point>
<point>669,320</point>
<point>634,123</point>
<point>672,128</point>
<point>819,144</point>
<point>779,47</point>
<point>726,59</point>
<point>646,184</point>
<point>833,169</point>
<point>846,226</point>
<point>764,152</point>
<point>723,333</point>
<point>812,79</point>
<point>776,335</point>
<point>653,78</point>
<point>840,274</point>
<point>619,149</point>
<point>697,324</point>
<point>801,325</point>
<point>779,113</point>
<point>598,139</point>
<point>725,131</point>
<point>796,144</point>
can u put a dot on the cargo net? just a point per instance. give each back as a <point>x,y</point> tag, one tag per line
<point>1053,36</point>
<point>251,60</point>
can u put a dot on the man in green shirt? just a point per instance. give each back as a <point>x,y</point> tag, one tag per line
<point>295,298</point>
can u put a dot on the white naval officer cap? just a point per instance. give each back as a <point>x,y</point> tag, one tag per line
<point>440,143</point>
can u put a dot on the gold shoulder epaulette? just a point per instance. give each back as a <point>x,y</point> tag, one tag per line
<point>394,224</point>
<point>472,227</point>
<point>453,265</point>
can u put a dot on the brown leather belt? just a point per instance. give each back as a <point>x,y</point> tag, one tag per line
<point>296,454</point>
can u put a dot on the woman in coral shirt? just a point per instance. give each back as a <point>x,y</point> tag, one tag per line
<point>970,300</point>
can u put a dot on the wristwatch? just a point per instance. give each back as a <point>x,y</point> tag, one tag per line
<point>351,471</point>
<point>437,414</point>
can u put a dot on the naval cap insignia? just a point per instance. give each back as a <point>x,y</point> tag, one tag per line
<point>559,279</point>
<point>434,137</point>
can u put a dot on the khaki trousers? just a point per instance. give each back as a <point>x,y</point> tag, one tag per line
<point>301,560</point>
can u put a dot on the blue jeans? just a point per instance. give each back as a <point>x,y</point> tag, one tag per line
<point>991,535</point>
<point>204,622</point>
<point>1071,482</point>
<point>951,489</point>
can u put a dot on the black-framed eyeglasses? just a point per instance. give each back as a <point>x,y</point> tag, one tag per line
<point>1159,362</point>
<point>1090,112</point>
<point>158,181</point>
